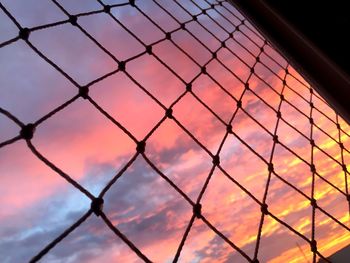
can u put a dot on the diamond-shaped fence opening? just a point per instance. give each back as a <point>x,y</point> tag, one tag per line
<point>161,131</point>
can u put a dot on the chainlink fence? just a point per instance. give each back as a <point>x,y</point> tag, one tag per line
<point>205,43</point>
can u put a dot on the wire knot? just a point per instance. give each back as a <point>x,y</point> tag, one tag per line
<point>313,168</point>
<point>141,146</point>
<point>168,35</point>
<point>216,160</point>
<point>24,33</point>
<point>84,92</point>
<point>27,131</point>
<point>197,210</point>
<point>97,206</point>
<point>313,245</point>
<point>312,142</point>
<point>107,8</point>
<point>344,168</point>
<point>149,50</point>
<point>121,65</point>
<point>169,113</point>
<point>73,20</point>
<point>313,202</point>
<point>264,209</point>
<point>270,167</point>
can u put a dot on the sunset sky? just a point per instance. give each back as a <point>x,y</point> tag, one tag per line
<point>37,204</point>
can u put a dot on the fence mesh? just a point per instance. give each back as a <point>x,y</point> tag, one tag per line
<point>224,152</point>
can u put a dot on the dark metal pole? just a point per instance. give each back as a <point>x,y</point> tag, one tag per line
<point>330,81</point>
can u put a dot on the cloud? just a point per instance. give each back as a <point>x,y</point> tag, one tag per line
<point>37,204</point>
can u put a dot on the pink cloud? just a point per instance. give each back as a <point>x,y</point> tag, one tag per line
<point>91,149</point>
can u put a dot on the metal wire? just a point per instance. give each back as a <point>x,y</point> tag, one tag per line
<point>243,28</point>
